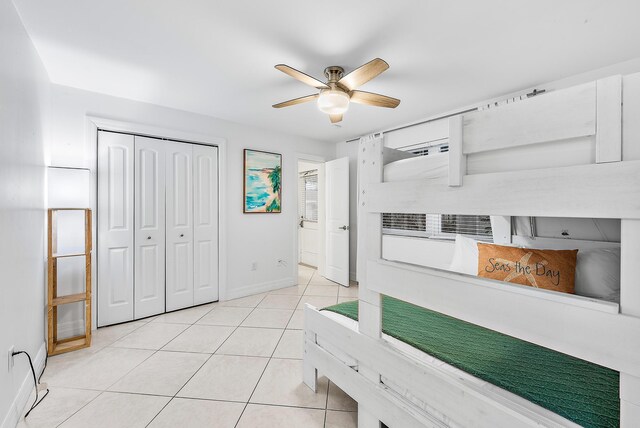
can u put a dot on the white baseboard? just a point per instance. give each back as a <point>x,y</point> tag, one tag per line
<point>23,393</point>
<point>262,287</point>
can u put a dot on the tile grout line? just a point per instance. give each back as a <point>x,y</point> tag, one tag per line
<point>155,351</point>
<point>81,407</point>
<point>101,392</point>
<point>205,362</point>
<point>105,390</point>
<point>267,365</point>
<point>133,368</point>
<point>271,357</point>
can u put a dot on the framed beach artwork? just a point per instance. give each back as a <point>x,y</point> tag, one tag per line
<point>262,182</point>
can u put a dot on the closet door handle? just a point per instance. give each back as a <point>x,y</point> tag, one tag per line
<point>148,237</point>
<point>182,235</point>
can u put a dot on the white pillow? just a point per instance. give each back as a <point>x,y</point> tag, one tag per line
<point>598,273</point>
<point>465,256</point>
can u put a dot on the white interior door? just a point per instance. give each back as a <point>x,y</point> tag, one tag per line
<point>115,228</point>
<point>205,224</point>
<point>149,282</point>
<point>179,225</point>
<point>309,242</point>
<point>337,227</point>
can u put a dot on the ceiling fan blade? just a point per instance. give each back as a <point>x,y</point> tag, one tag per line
<point>371,99</point>
<point>335,118</point>
<point>363,74</point>
<point>296,101</point>
<point>299,75</point>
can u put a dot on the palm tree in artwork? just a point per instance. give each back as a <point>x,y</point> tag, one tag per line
<point>275,177</point>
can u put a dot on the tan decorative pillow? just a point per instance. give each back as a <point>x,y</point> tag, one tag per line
<point>550,269</point>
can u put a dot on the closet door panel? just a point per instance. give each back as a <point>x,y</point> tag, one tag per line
<point>150,227</point>
<point>179,228</point>
<point>115,228</point>
<point>205,223</point>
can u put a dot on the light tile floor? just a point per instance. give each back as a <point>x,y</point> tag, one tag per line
<point>231,364</point>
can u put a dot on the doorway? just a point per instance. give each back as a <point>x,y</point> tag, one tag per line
<point>308,213</point>
<point>322,224</point>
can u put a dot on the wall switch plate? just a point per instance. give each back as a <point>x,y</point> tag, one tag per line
<point>254,266</point>
<point>10,357</point>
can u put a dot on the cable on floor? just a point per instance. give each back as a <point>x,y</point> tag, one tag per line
<point>36,381</point>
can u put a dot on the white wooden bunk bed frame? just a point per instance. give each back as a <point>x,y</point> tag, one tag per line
<point>601,332</point>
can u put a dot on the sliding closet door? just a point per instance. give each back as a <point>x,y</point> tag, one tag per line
<point>179,230</point>
<point>115,228</point>
<point>150,226</point>
<point>205,224</point>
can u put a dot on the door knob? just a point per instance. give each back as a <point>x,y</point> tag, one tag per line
<point>148,237</point>
<point>182,235</point>
<point>344,228</point>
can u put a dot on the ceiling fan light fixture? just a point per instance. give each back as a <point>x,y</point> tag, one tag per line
<point>333,101</point>
<point>340,90</point>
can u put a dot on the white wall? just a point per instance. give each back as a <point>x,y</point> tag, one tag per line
<point>23,113</point>
<point>259,238</point>
<point>304,166</point>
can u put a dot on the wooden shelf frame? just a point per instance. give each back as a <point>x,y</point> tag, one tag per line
<point>63,256</point>
<point>54,345</point>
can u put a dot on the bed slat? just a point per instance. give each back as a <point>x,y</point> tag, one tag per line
<point>608,190</point>
<point>608,339</point>
<point>384,406</point>
<point>609,120</point>
<point>370,170</point>
<point>464,403</point>
<point>630,305</point>
<point>457,160</point>
<point>558,115</point>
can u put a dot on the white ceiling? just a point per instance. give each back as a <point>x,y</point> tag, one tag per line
<point>217,57</point>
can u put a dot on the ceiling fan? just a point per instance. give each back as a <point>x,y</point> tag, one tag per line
<point>335,95</point>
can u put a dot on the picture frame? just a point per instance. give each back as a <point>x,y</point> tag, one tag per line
<point>262,182</point>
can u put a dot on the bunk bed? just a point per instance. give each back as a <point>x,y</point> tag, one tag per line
<point>562,154</point>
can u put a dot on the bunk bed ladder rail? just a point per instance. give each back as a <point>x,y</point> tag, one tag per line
<point>370,171</point>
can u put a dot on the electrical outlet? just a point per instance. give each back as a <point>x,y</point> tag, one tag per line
<point>10,356</point>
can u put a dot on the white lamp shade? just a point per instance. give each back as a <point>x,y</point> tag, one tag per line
<point>333,102</point>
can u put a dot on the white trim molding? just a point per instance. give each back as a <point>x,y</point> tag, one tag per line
<point>263,287</point>
<point>22,396</point>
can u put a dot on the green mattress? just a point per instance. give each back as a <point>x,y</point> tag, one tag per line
<point>582,392</point>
